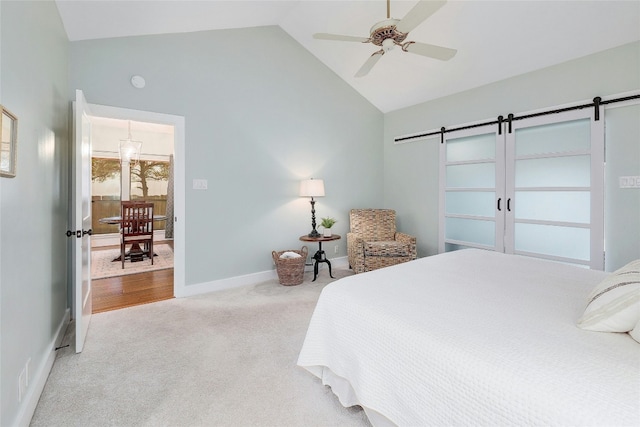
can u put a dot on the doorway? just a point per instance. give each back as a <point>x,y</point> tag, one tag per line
<point>156,172</point>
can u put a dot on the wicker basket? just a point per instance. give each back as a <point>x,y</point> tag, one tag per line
<point>290,270</point>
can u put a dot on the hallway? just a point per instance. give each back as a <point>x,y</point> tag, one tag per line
<point>114,293</point>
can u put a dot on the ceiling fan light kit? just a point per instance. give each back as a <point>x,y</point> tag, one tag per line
<point>386,30</point>
<point>393,32</point>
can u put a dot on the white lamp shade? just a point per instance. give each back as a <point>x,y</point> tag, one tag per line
<point>312,188</point>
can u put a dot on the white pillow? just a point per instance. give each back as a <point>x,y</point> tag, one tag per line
<point>614,304</point>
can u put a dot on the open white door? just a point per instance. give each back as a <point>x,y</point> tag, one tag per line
<point>81,219</point>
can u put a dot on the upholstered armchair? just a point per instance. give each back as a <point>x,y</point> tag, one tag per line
<point>373,241</point>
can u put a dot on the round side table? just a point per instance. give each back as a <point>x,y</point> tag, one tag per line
<point>320,256</point>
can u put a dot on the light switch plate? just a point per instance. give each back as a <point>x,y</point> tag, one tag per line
<point>200,184</point>
<point>630,182</point>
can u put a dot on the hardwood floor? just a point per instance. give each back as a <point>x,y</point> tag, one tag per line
<point>113,293</point>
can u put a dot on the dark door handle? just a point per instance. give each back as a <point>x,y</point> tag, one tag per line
<point>509,205</point>
<point>499,200</point>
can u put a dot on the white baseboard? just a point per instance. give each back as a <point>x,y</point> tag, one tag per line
<point>39,379</point>
<point>341,262</point>
<point>232,282</point>
<point>248,279</point>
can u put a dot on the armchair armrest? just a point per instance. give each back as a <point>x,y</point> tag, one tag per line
<point>410,240</point>
<point>405,238</point>
<point>355,252</point>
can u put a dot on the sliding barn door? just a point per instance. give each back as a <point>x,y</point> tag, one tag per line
<point>472,197</point>
<point>534,189</point>
<point>555,188</point>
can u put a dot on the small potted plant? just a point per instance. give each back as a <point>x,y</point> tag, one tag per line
<point>327,223</point>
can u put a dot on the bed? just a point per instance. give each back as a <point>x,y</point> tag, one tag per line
<point>472,337</point>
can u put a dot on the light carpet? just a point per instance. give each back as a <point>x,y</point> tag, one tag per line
<point>102,264</point>
<point>226,358</point>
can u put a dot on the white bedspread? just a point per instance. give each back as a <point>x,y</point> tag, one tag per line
<point>473,338</point>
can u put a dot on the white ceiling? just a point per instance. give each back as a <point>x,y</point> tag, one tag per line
<point>495,39</point>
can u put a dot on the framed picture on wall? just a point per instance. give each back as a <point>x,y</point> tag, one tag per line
<point>8,150</point>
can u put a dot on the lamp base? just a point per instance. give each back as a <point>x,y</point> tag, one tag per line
<point>314,233</point>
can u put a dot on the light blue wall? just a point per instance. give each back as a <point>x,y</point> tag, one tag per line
<point>33,262</point>
<point>261,114</point>
<point>411,169</point>
<point>622,219</point>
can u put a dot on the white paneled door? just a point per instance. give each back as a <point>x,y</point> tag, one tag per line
<point>472,199</point>
<point>81,220</point>
<point>555,188</point>
<point>535,188</point>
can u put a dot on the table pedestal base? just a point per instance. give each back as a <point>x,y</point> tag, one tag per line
<point>135,254</point>
<point>319,257</point>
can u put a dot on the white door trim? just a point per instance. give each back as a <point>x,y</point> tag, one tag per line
<point>178,122</point>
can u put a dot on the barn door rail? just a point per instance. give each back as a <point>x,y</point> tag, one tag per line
<point>595,104</point>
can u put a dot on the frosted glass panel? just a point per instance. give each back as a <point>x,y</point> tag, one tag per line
<point>479,203</point>
<point>554,138</point>
<point>565,206</point>
<point>477,147</point>
<point>450,247</point>
<point>573,171</point>
<point>568,242</point>
<point>471,230</point>
<point>478,175</point>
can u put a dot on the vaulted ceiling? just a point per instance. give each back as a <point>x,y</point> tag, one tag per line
<point>494,39</point>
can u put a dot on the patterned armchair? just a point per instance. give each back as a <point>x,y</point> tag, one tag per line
<point>373,241</point>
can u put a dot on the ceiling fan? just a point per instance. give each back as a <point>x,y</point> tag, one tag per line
<point>392,32</point>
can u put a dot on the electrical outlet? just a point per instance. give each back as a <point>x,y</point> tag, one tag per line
<point>630,182</point>
<point>200,184</point>
<point>336,249</point>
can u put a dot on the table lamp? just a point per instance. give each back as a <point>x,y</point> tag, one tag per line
<point>312,188</point>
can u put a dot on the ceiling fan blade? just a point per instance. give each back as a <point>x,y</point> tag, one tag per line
<point>420,12</point>
<point>368,65</point>
<point>430,50</point>
<point>338,37</point>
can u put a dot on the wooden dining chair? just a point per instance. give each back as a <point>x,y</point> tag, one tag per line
<point>137,228</point>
